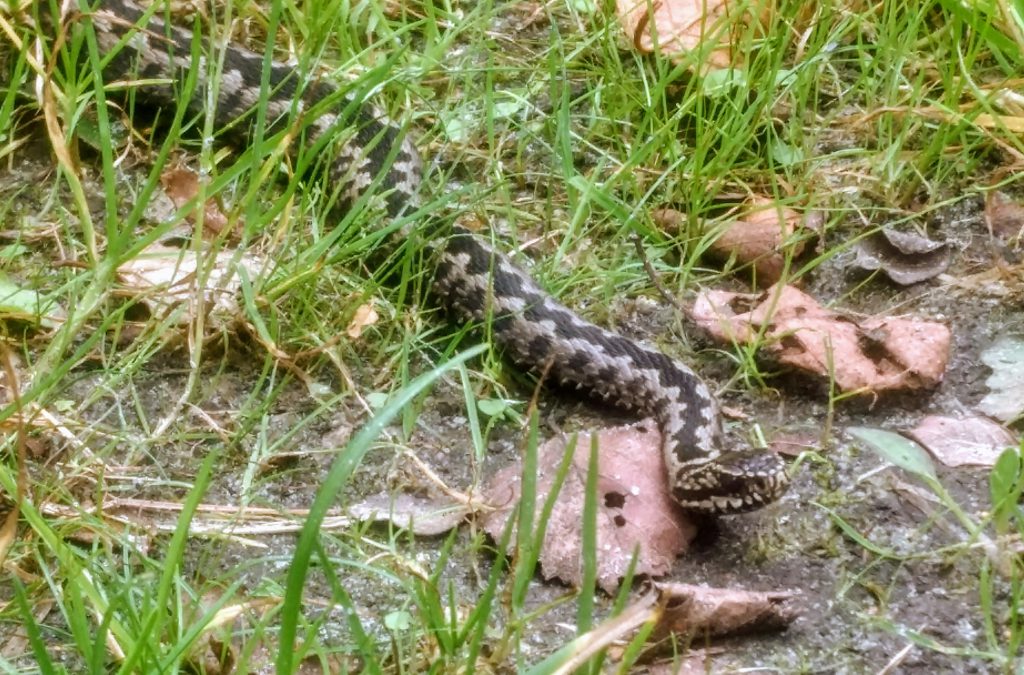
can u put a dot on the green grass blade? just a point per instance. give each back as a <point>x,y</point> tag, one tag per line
<point>526,542</point>
<point>159,614</point>
<point>588,583</point>
<point>472,414</point>
<point>335,480</point>
<point>364,643</point>
<point>32,632</point>
<point>1006,484</point>
<point>896,449</point>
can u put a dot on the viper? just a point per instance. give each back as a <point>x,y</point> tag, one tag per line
<point>374,162</point>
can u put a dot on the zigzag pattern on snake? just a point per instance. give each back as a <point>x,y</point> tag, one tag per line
<point>474,281</point>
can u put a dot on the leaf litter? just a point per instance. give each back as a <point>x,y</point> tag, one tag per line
<point>1005,400</point>
<point>715,612</point>
<point>365,316</point>
<point>635,510</point>
<point>764,234</point>
<point>867,356</point>
<point>1005,219</point>
<point>963,441</point>
<point>181,185</point>
<point>673,611</point>
<point>677,27</point>
<point>184,283</point>
<point>905,257</point>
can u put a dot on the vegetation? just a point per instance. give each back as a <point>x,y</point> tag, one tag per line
<point>540,122</point>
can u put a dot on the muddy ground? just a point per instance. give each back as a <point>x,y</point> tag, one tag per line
<point>854,607</point>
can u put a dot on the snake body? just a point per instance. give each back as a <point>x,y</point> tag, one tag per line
<point>473,280</point>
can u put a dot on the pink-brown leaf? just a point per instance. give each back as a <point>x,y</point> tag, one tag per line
<point>968,441</point>
<point>879,354</point>
<point>680,26</point>
<point>762,236</point>
<point>635,510</point>
<point>705,611</point>
<point>182,186</point>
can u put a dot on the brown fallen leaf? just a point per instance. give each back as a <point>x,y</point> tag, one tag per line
<point>690,612</point>
<point>10,388</point>
<point>968,441</point>
<point>763,235</point>
<point>214,656</point>
<point>365,316</point>
<point>182,186</point>
<point>209,653</point>
<point>875,355</point>
<point>420,515</point>
<point>683,610</point>
<point>681,26</point>
<point>905,257</point>
<point>636,511</point>
<point>324,664</point>
<point>792,444</point>
<point>1005,218</point>
<point>668,220</point>
<point>715,612</point>
<point>966,114</point>
<point>165,279</point>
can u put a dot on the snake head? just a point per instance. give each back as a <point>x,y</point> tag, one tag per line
<point>733,482</point>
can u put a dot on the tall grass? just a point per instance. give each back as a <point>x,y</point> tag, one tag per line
<point>535,121</point>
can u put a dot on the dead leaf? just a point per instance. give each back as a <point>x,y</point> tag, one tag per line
<point>182,186</point>
<point>794,443</point>
<point>876,355</point>
<point>968,441</point>
<point>10,388</point>
<point>762,235</point>
<point>165,279</point>
<point>905,257</point>
<point>687,611</point>
<point>420,515</point>
<point>9,531</point>
<point>1005,400</point>
<point>213,656</point>
<point>1005,218</point>
<point>329,663</point>
<point>636,511</point>
<point>668,220</point>
<point>16,643</point>
<point>966,114</point>
<point>213,650</point>
<point>365,316</point>
<point>681,26</point>
<point>714,612</point>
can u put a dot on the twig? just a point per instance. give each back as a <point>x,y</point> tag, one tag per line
<point>653,276</point>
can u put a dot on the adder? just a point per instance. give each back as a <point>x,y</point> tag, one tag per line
<point>373,159</point>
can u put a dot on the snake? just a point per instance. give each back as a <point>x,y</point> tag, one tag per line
<point>374,163</point>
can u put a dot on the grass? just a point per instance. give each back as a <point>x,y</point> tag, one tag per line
<point>996,531</point>
<point>535,121</point>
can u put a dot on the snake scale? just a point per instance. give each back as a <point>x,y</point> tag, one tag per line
<point>473,281</point>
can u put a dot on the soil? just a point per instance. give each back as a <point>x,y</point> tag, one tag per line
<point>858,610</point>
